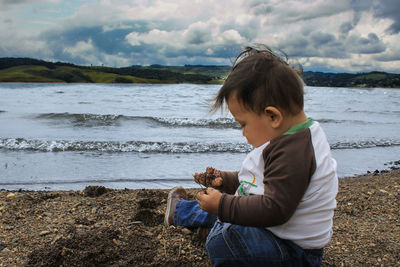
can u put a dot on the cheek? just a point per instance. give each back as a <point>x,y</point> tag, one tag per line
<point>262,133</point>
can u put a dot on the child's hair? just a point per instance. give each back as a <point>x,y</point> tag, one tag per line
<point>260,78</point>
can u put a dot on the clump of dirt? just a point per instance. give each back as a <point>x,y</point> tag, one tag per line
<point>148,217</point>
<point>83,221</point>
<point>94,191</point>
<point>147,203</point>
<point>152,194</point>
<point>207,177</point>
<point>92,248</point>
<point>100,247</point>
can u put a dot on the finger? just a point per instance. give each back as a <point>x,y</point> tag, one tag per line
<point>209,190</point>
<point>196,177</point>
<point>199,201</point>
<point>200,195</point>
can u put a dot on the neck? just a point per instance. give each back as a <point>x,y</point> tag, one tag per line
<point>292,120</point>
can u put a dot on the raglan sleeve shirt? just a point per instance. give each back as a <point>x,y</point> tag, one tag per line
<point>289,162</point>
<point>230,182</point>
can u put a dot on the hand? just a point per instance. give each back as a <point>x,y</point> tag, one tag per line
<point>209,200</point>
<point>211,177</point>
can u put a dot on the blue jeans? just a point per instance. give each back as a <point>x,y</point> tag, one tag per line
<point>235,245</point>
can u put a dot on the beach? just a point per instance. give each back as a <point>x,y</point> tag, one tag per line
<point>98,226</point>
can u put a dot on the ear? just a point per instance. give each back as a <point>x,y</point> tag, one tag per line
<point>274,115</point>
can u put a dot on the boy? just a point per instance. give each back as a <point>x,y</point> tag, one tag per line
<point>284,195</point>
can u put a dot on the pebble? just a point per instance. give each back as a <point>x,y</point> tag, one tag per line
<point>76,205</point>
<point>43,233</point>
<point>11,195</point>
<point>186,231</point>
<point>6,250</point>
<point>58,237</point>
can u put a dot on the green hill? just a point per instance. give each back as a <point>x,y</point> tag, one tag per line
<point>33,70</point>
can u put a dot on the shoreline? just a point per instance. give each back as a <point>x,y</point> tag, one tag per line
<point>394,165</point>
<point>174,83</point>
<point>119,227</point>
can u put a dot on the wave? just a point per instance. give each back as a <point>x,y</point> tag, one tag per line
<point>115,147</point>
<point>354,122</point>
<point>365,144</point>
<point>186,122</point>
<point>158,147</point>
<point>344,121</point>
<point>84,120</point>
<point>92,120</point>
<point>96,120</point>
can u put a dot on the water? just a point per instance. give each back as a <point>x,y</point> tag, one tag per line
<point>68,136</point>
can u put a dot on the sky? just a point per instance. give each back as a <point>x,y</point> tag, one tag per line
<point>322,35</point>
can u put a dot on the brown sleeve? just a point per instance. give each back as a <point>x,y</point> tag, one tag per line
<point>289,164</point>
<point>230,182</point>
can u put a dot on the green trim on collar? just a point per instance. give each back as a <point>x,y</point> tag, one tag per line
<point>302,126</point>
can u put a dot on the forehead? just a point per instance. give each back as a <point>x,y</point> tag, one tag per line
<point>235,106</point>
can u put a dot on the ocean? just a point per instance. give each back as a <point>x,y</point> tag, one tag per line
<point>68,136</point>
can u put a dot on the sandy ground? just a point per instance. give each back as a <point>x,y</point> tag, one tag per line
<point>104,227</point>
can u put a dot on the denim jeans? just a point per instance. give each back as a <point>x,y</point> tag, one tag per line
<point>189,214</point>
<point>235,245</point>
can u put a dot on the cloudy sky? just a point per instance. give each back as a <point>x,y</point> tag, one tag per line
<point>323,35</point>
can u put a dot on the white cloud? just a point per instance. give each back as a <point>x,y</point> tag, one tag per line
<point>84,51</point>
<point>80,47</point>
<point>232,36</point>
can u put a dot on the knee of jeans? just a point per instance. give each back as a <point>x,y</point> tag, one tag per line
<point>216,241</point>
<point>214,232</point>
<point>225,242</point>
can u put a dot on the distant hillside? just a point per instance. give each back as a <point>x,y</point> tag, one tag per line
<point>33,70</point>
<point>371,79</point>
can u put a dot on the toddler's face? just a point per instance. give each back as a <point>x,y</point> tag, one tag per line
<point>256,127</point>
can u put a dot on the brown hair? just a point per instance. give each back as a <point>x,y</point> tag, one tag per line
<point>261,78</point>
